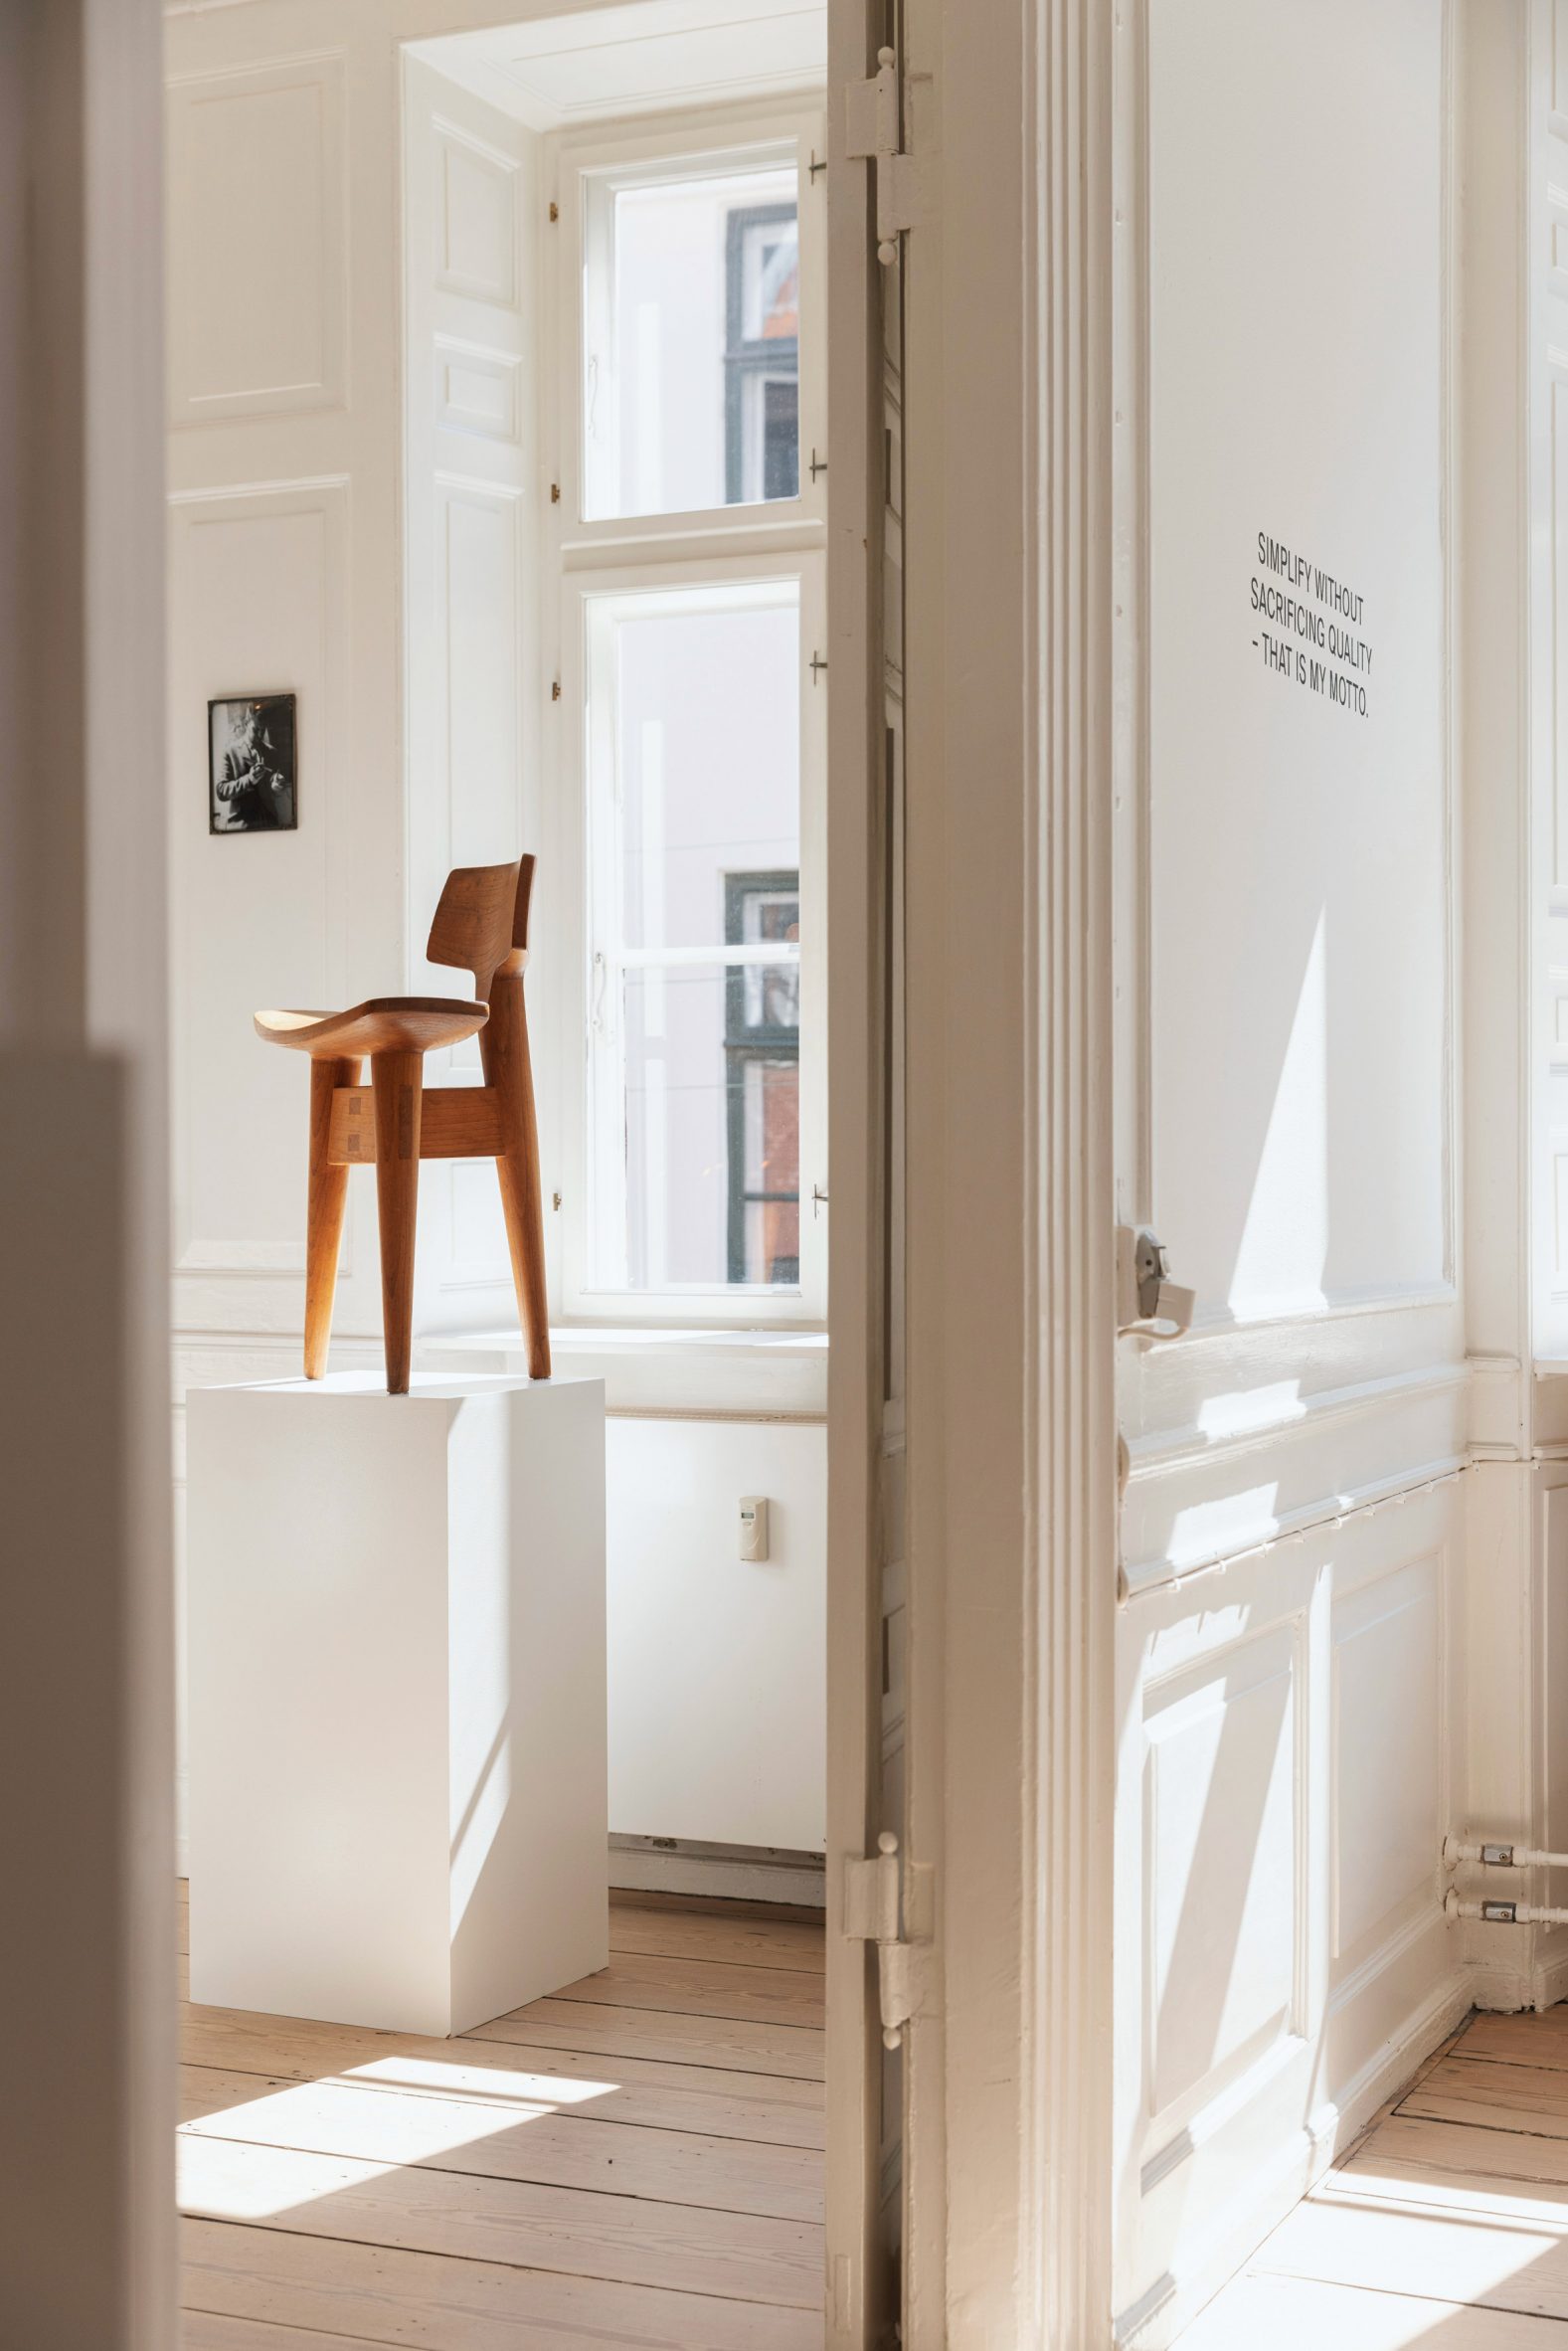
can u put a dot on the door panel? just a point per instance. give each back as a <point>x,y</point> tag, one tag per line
<point>1290,1522</point>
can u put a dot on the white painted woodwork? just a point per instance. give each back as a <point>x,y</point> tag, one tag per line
<point>284,401</point>
<point>472,228</point>
<point>397,1660</point>
<point>643,58</point>
<point>717,1666</point>
<point>259,273</point>
<point>1290,1650</point>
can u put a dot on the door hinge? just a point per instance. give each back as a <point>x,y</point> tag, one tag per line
<point>872,131</point>
<point>891,1903</point>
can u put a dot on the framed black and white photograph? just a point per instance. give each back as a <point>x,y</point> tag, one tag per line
<point>253,781</point>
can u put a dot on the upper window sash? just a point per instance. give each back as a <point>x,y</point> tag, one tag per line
<point>591,173</point>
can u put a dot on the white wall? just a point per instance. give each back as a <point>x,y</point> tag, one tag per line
<point>1289,1640</point>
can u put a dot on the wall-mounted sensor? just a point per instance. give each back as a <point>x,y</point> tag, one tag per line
<point>753,1526</point>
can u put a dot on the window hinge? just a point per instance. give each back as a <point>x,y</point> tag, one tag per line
<point>891,1902</point>
<point>818,668</point>
<point>555,210</point>
<point>872,111</point>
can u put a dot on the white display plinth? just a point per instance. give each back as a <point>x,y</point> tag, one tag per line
<point>398,1806</point>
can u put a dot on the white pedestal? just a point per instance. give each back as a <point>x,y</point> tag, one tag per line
<point>397,1696</point>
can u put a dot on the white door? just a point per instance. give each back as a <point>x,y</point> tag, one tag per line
<point>1286,1082</point>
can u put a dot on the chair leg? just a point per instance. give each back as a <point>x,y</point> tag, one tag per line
<point>399,1083</point>
<point>504,1049</point>
<point>324,1220</point>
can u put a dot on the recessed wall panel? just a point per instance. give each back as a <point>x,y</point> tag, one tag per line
<point>258,263</point>
<point>257,921</point>
<point>1220,1860</point>
<point>1387,1762</point>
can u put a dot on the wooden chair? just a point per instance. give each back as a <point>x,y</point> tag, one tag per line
<point>480,925</point>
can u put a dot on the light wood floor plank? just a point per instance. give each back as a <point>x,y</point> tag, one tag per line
<point>595,2030</point>
<point>1540,2042</point>
<point>422,2209</point>
<point>726,2105</point>
<point>202,2331</point>
<point>702,1987</point>
<point>744,1943</point>
<point>1527,2098</point>
<point>635,2161</point>
<point>1299,2314</point>
<point>712,1905</point>
<point>423,2299</point>
<point>1445,2256</point>
<point>502,2138</point>
<point>1491,2155</point>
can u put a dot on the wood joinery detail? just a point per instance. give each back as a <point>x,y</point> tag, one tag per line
<point>457,1123</point>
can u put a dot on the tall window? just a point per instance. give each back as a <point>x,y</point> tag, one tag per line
<point>693,658</point>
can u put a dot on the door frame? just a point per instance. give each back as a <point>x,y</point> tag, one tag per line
<point>1010,1263</point>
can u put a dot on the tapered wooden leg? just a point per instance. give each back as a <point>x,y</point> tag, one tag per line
<point>503,1048</point>
<point>324,1220</point>
<point>399,1082</point>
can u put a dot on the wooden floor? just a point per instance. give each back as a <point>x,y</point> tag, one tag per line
<point>1445,2226</point>
<point>637,2160</point>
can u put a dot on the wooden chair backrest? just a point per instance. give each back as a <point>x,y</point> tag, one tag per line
<point>481,922</point>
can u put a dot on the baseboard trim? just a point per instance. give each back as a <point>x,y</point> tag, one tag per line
<point>732,1873</point>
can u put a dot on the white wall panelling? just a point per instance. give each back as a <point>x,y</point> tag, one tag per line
<point>1281,1952</point>
<point>471,312</point>
<point>258,596</point>
<point>285,404</point>
<point>258,315</point>
<point>1292,1510</point>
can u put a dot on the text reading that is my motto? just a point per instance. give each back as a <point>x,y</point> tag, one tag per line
<point>1312,638</point>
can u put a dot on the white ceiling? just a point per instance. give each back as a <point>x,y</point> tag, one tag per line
<point>648,58</point>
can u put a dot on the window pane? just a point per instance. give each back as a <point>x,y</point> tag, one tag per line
<point>694,831</point>
<point>712,1136</point>
<point>692,364</point>
<point>708,754</point>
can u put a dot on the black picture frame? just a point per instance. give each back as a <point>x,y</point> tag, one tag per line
<point>253,764</point>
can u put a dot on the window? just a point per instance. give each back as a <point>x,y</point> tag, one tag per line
<point>695,924</point>
<point>692,341</point>
<point>693,720</point>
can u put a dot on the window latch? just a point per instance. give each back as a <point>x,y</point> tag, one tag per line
<point>1149,1304</point>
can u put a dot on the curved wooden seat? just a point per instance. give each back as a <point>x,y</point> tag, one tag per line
<point>386,1025</point>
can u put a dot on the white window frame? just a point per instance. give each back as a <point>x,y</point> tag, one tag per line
<point>619,558</point>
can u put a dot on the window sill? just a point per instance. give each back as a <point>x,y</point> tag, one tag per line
<point>739,1374</point>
